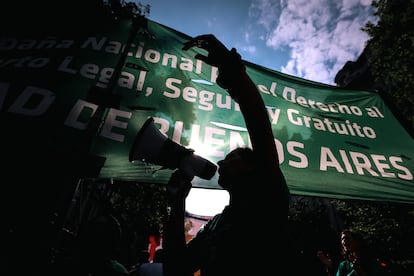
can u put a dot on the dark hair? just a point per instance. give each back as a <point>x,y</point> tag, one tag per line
<point>249,175</point>
<point>359,240</point>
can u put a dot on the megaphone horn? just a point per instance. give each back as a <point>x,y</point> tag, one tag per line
<point>152,146</point>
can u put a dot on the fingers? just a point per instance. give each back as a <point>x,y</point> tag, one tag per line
<point>188,45</point>
<point>201,41</point>
<point>216,50</point>
<point>195,42</point>
<point>202,58</point>
<point>179,184</point>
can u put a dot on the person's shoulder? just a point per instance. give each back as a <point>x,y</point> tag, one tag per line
<point>343,268</point>
<point>210,226</point>
<point>211,223</point>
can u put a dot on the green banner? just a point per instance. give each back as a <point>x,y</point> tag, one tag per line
<point>332,142</point>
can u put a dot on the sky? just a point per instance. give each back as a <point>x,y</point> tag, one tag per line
<point>309,39</point>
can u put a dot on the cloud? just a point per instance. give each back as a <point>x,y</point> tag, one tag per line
<point>251,49</point>
<point>267,12</point>
<point>320,35</point>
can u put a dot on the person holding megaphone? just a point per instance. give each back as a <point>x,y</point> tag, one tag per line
<point>234,241</point>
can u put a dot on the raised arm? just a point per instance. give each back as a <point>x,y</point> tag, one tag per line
<point>271,193</point>
<point>233,77</point>
<point>174,242</point>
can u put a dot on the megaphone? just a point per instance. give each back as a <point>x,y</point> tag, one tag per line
<point>152,146</point>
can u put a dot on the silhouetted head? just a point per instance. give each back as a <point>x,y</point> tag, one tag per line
<point>237,169</point>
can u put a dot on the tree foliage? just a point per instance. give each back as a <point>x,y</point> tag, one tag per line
<point>391,53</point>
<point>315,223</point>
<point>386,226</point>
